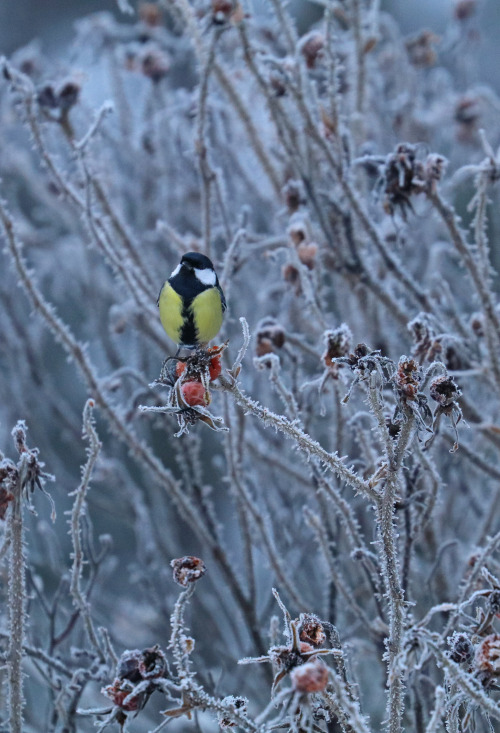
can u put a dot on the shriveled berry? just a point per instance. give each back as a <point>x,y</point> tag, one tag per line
<point>309,677</point>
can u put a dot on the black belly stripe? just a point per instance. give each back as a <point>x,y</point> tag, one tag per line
<point>188,331</point>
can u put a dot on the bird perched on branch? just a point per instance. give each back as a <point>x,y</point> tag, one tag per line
<point>191,302</point>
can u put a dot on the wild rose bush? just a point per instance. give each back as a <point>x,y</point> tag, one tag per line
<point>328,486</point>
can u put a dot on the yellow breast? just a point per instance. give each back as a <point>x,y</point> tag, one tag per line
<point>207,314</point>
<point>170,304</point>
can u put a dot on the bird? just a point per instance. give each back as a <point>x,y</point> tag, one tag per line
<point>191,302</point>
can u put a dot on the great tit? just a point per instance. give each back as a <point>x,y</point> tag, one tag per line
<point>191,302</point>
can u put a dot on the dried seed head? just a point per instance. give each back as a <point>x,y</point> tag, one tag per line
<point>311,46</point>
<point>337,344</point>
<point>464,9</point>
<point>420,48</point>
<point>404,176</point>
<point>311,629</point>
<point>222,11</point>
<point>309,677</point>
<point>407,378</point>
<point>291,275</point>
<point>155,65</point>
<point>128,666</point>
<point>444,391</point>
<point>294,195</point>
<point>487,658</point>
<point>461,648</point>
<point>188,569</point>
<point>270,336</point>
<point>150,14</point>
<point>46,97</point>
<point>307,254</point>
<point>152,663</point>
<point>68,95</point>
<point>434,168</point>
<point>493,602</point>
<point>477,324</point>
<point>298,229</point>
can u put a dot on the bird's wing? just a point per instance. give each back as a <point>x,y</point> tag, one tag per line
<point>222,298</point>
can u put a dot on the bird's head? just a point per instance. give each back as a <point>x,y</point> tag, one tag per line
<point>195,264</point>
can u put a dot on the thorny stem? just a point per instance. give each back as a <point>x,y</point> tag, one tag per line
<point>389,551</point>
<point>252,132</point>
<point>206,173</point>
<point>449,217</point>
<point>177,636</point>
<point>17,603</point>
<point>306,444</point>
<point>360,56</point>
<point>77,511</point>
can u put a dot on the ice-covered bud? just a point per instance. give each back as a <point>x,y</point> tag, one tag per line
<point>188,569</point>
<point>309,677</point>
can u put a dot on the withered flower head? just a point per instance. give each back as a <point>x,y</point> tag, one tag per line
<point>461,648</point>
<point>337,344</point>
<point>420,48</point>
<point>311,629</point>
<point>487,657</point>
<point>444,391</point>
<point>407,378</point>
<point>270,336</point>
<point>136,665</point>
<point>188,569</point>
<point>493,602</point>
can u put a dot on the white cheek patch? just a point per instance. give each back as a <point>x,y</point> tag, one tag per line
<point>176,271</point>
<point>206,276</point>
